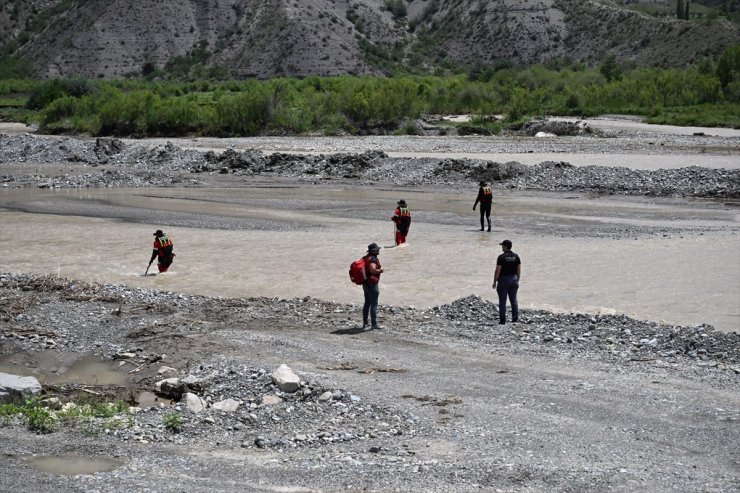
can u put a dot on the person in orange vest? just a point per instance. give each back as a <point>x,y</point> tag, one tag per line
<point>162,251</point>
<point>485,197</point>
<point>402,218</point>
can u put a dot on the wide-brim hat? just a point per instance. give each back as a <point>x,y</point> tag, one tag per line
<point>373,247</point>
<point>159,233</point>
<point>401,202</point>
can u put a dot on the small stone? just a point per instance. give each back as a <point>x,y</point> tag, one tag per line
<point>227,405</point>
<point>285,379</point>
<point>124,356</point>
<point>271,400</point>
<point>325,397</point>
<point>193,402</point>
<point>165,369</point>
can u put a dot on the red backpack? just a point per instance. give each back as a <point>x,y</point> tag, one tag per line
<point>357,271</point>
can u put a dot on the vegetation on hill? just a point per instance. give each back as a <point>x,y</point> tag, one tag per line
<point>705,94</point>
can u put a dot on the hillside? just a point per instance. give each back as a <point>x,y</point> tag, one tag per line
<point>263,38</point>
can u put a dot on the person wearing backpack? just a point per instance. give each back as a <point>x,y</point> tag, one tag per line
<point>162,251</point>
<point>371,287</point>
<point>485,197</point>
<point>402,218</point>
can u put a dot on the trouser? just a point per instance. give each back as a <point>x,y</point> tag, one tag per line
<point>164,263</point>
<point>372,293</point>
<point>485,210</point>
<point>507,286</point>
<point>401,236</point>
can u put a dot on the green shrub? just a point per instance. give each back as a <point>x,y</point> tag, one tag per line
<point>172,421</point>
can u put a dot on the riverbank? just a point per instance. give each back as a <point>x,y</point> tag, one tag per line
<point>398,416</point>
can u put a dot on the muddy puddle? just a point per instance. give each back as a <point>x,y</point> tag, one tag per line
<point>73,465</point>
<point>690,274</point>
<point>55,368</point>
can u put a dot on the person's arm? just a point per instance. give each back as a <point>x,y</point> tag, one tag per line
<point>519,271</point>
<point>155,252</point>
<point>478,198</point>
<point>496,275</point>
<point>372,267</point>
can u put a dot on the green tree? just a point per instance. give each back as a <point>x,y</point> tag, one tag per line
<point>679,9</point>
<point>728,66</point>
<point>610,69</point>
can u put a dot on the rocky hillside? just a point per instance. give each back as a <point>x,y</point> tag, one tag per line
<point>263,38</point>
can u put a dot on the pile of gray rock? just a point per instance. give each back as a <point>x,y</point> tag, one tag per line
<point>112,163</point>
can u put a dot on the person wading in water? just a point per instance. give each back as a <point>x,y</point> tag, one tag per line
<point>485,197</point>
<point>162,251</point>
<point>402,218</point>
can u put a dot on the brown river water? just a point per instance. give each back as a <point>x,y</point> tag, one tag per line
<point>688,273</point>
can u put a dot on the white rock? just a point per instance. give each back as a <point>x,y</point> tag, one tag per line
<point>326,396</point>
<point>193,402</point>
<point>165,369</point>
<point>271,400</point>
<point>168,386</point>
<point>285,379</point>
<point>544,134</point>
<point>227,405</point>
<point>14,386</point>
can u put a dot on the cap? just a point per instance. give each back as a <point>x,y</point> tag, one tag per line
<point>158,233</point>
<point>373,247</point>
<point>506,243</point>
<point>401,202</point>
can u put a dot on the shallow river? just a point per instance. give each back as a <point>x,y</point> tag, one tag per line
<point>309,235</point>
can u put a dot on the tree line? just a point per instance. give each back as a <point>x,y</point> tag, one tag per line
<point>705,94</point>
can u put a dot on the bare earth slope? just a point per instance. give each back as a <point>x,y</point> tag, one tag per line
<point>263,38</point>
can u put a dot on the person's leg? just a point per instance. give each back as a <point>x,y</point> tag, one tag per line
<point>482,216</point>
<point>163,267</point>
<point>374,295</point>
<point>488,217</point>
<point>366,306</point>
<point>513,289</point>
<point>398,238</point>
<point>502,290</point>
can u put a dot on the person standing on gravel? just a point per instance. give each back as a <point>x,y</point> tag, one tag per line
<point>402,218</point>
<point>371,287</point>
<point>162,251</point>
<point>506,281</point>
<point>485,197</point>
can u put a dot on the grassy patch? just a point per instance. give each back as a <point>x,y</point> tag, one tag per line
<point>44,416</point>
<point>172,421</point>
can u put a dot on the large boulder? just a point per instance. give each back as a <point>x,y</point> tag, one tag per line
<point>15,387</point>
<point>285,379</point>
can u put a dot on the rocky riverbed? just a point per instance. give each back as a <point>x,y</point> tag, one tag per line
<point>211,364</point>
<point>178,391</point>
<point>106,162</point>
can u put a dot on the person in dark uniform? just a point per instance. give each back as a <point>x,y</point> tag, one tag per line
<point>371,288</point>
<point>506,281</point>
<point>402,218</point>
<point>485,197</point>
<point>162,251</point>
